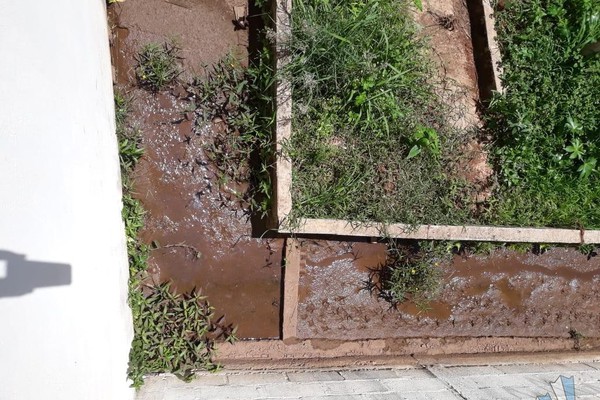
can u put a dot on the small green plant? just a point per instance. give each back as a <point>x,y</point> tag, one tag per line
<point>172,334</point>
<point>158,65</point>
<point>410,273</point>
<point>236,102</point>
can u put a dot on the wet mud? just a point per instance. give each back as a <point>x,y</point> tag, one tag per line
<point>552,295</point>
<point>199,228</point>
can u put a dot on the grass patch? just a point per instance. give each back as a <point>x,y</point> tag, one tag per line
<point>546,126</point>
<point>158,65</point>
<point>371,138</point>
<point>173,332</point>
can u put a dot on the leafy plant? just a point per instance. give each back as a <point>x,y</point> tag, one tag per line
<point>158,65</point>
<point>237,102</point>
<point>172,333</point>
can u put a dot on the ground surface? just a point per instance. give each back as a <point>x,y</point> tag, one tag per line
<point>502,382</point>
<point>189,211</point>
<point>485,304</point>
<point>507,294</point>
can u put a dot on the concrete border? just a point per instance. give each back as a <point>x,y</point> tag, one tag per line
<point>283,175</point>
<point>316,353</point>
<point>490,28</point>
<point>291,283</point>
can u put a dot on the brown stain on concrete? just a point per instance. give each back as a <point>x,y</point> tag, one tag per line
<point>504,295</point>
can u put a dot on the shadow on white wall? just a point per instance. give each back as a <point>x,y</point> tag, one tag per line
<point>19,276</point>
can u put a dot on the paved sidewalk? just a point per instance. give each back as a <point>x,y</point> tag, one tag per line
<point>434,383</point>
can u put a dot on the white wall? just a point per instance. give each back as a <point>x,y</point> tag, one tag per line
<point>60,203</point>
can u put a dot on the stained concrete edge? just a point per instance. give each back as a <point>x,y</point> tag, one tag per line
<point>495,55</point>
<point>448,232</point>
<point>290,289</point>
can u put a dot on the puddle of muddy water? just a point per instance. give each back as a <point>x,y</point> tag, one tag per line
<point>202,235</point>
<point>200,230</point>
<point>506,294</point>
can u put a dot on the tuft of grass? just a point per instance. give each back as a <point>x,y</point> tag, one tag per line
<point>546,123</point>
<point>158,65</point>
<point>371,138</point>
<point>411,273</point>
<point>235,103</point>
<point>172,332</point>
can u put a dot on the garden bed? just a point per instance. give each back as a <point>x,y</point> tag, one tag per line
<point>332,196</point>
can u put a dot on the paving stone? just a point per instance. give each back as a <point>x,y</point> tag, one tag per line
<point>215,393</point>
<point>355,387</point>
<point>334,397</point>
<point>256,378</point>
<point>369,374</point>
<point>466,371</point>
<point>292,390</point>
<point>413,373</point>
<point>316,376</point>
<point>414,385</point>
<point>539,368</point>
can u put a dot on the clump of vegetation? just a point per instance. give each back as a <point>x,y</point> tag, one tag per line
<point>371,141</point>
<point>158,65</point>
<point>235,104</point>
<point>411,273</point>
<point>172,332</point>
<point>546,126</point>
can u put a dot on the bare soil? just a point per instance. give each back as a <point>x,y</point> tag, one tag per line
<point>508,294</point>
<point>447,25</point>
<point>201,229</point>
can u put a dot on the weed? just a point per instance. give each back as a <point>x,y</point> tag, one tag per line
<point>172,334</point>
<point>235,103</point>
<point>577,338</point>
<point>158,65</point>
<point>589,250</point>
<point>410,273</point>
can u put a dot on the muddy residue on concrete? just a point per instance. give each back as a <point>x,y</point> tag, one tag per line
<point>197,224</point>
<point>203,29</point>
<point>503,295</point>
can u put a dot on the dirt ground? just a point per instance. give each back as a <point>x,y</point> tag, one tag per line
<point>504,295</point>
<point>446,24</point>
<point>189,213</point>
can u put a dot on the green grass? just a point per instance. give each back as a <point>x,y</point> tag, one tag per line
<point>158,65</point>
<point>173,332</point>
<point>547,124</point>
<point>371,139</point>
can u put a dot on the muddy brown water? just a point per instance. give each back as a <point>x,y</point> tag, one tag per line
<point>504,295</point>
<point>201,231</point>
